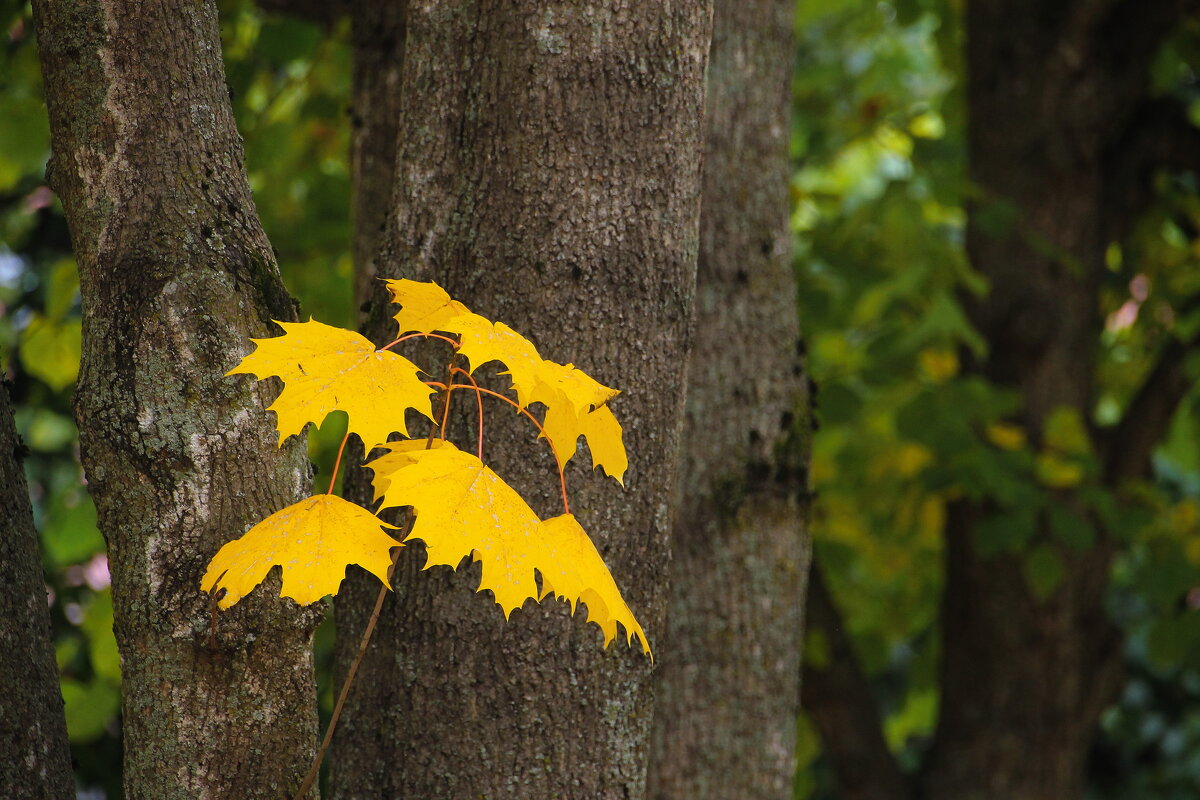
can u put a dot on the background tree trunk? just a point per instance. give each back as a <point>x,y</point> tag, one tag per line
<point>548,175</point>
<point>1052,91</point>
<point>35,756</point>
<point>176,274</point>
<point>837,696</point>
<point>725,722</point>
<point>377,42</point>
<point>1064,138</point>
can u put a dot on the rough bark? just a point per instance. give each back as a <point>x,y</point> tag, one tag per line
<point>377,34</point>
<point>175,275</point>
<point>548,175</point>
<point>725,723</point>
<point>35,756</point>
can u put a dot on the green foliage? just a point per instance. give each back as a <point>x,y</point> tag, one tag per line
<point>879,190</point>
<point>290,84</point>
<point>879,258</point>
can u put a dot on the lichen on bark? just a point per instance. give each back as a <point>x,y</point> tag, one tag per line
<point>175,275</point>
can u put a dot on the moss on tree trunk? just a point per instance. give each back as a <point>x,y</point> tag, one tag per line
<point>175,275</point>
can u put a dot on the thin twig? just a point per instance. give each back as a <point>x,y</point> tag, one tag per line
<point>405,528</point>
<point>337,464</point>
<point>315,769</point>
<point>479,403</point>
<point>562,479</point>
<point>405,338</point>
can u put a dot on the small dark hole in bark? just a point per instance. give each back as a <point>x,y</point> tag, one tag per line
<point>576,272</point>
<point>205,232</point>
<point>743,276</point>
<point>766,247</point>
<point>757,471</point>
<point>785,420</point>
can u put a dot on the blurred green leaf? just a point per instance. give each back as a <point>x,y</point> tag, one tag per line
<point>1065,431</point>
<point>1006,533</point>
<point>50,349</point>
<point>102,644</point>
<point>62,289</point>
<point>1044,570</point>
<point>89,708</point>
<point>45,430</point>
<point>1070,528</point>
<point>1175,639</point>
<point>69,533</point>
<point>24,140</point>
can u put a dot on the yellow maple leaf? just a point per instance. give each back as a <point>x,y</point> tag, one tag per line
<point>426,306</point>
<point>464,508</point>
<point>575,402</point>
<point>483,341</point>
<point>572,569</point>
<point>563,427</point>
<point>313,540</point>
<point>578,388</point>
<point>326,369</point>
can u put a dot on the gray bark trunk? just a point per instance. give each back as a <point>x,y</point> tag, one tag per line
<point>727,688</point>
<point>548,176</point>
<point>35,756</point>
<point>176,274</point>
<point>377,32</point>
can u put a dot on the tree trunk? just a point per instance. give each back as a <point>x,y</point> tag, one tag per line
<point>548,175</point>
<point>837,696</point>
<point>176,274</point>
<point>35,756</point>
<point>377,34</point>
<point>1051,88</point>
<point>730,663</point>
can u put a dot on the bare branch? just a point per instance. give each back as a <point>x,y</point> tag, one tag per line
<point>1133,30</point>
<point>1128,446</point>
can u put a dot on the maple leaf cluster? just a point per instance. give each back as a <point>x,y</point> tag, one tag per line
<point>460,506</point>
